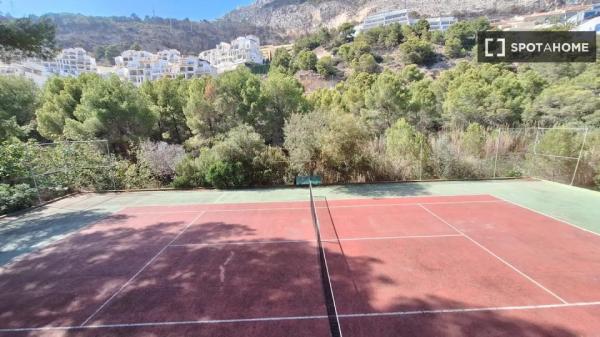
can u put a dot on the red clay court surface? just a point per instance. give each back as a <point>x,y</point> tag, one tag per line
<point>419,266</point>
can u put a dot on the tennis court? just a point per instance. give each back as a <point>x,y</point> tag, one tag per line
<point>423,264</point>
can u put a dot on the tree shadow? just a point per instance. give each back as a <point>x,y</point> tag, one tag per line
<point>23,235</point>
<point>381,190</point>
<point>64,283</point>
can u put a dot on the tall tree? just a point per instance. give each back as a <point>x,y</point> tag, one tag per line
<point>26,38</point>
<point>18,101</point>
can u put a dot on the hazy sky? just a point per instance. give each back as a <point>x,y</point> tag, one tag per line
<point>192,9</point>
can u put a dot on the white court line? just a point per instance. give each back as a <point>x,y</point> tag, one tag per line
<point>219,197</point>
<point>393,237</point>
<point>319,207</point>
<point>467,310</point>
<point>419,203</point>
<point>141,270</point>
<point>312,241</point>
<point>239,243</point>
<point>496,256</point>
<point>549,216</point>
<point>292,318</point>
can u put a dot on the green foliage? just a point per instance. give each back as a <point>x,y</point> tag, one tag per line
<point>461,36</point>
<point>417,51</point>
<point>13,164</point>
<point>325,66</point>
<point>18,101</point>
<point>16,197</point>
<point>366,63</point>
<point>305,60</point>
<point>167,99</point>
<point>385,37</point>
<point>351,52</point>
<point>21,38</point>
<point>387,100</point>
<point>281,95</point>
<point>490,95</point>
<point>231,162</point>
<point>574,102</point>
<point>404,142</point>
<point>130,175</point>
<point>282,60</point>
<point>474,139</point>
<point>90,107</point>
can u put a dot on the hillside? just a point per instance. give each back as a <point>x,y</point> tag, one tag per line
<point>190,37</point>
<point>295,17</point>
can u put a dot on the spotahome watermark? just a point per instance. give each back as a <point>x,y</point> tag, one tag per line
<point>494,47</point>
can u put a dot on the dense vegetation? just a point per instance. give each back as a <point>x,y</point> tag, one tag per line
<point>243,129</point>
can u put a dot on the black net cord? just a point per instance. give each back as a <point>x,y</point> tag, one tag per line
<point>334,323</point>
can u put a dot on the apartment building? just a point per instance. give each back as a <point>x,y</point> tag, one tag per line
<point>441,23</point>
<point>141,66</point>
<point>580,17</point>
<point>71,62</point>
<point>402,17</point>
<point>227,56</point>
<point>191,66</point>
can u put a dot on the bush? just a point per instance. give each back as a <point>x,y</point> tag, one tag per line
<point>325,66</point>
<point>16,197</point>
<point>474,139</point>
<point>160,158</point>
<point>306,60</point>
<point>417,51</point>
<point>366,64</point>
<point>130,175</point>
<point>226,174</point>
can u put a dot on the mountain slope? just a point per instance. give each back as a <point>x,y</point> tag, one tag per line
<point>190,37</point>
<point>294,17</point>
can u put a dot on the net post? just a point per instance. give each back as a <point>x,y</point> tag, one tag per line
<point>579,157</point>
<point>496,156</point>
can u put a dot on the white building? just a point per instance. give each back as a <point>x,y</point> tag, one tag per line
<point>592,25</point>
<point>583,16</point>
<point>71,62</point>
<point>441,23</point>
<point>191,66</point>
<point>227,56</point>
<point>402,17</point>
<point>140,66</point>
<point>384,19</point>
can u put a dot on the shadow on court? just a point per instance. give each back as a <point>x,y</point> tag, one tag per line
<point>38,228</point>
<point>66,283</point>
<point>381,190</point>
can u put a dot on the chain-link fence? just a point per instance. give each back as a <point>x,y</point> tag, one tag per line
<point>55,169</point>
<point>565,155</point>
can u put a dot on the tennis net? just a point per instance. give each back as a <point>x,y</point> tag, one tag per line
<point>332,314</point>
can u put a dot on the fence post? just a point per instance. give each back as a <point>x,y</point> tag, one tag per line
<point>580,154</point>
<point>39,195</point>
<point>112,165</point>
<point>421,161</point>
<point>496,156</point>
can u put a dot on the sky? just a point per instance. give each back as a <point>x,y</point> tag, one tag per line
<point>181,9</point>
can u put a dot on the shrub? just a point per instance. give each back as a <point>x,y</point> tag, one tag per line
<point>306,60</point>
<point>160,158</point>
<point>13,198</point>
<point>366,63</point>
<point>325,66</point>
<point>130,175</point>
<point>474,139</point>
<point>270,166</point>
<point>417,51</point>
